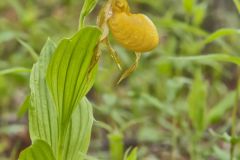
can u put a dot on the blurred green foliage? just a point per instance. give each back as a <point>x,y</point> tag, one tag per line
<point>164,105</point>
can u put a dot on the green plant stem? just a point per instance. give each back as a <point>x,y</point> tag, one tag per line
<point>81,20</point>
<point>234,117</point>
<point>81,17</point>
<point>193,149</point>
<point>174,140</point>
<point>116,145</point>
<point>195,154</point>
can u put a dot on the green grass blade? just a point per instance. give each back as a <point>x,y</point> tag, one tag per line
<point>29,48</point>
<point>210,57</point>
<point>221,33</point>
<point>218,111</point>
<point>15,70</point>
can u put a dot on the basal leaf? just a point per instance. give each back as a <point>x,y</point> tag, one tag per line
<point>42,114</point>
<point>71,72</point>
<point>79,132</point>
<point>39,150</point>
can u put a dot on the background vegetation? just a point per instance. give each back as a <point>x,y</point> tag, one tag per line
<point>171,108</point>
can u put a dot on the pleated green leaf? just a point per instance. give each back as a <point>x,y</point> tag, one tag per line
<point>39,150</point>
<point>71,72</point>
<point>79,132</point>
<point>42,114</point>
